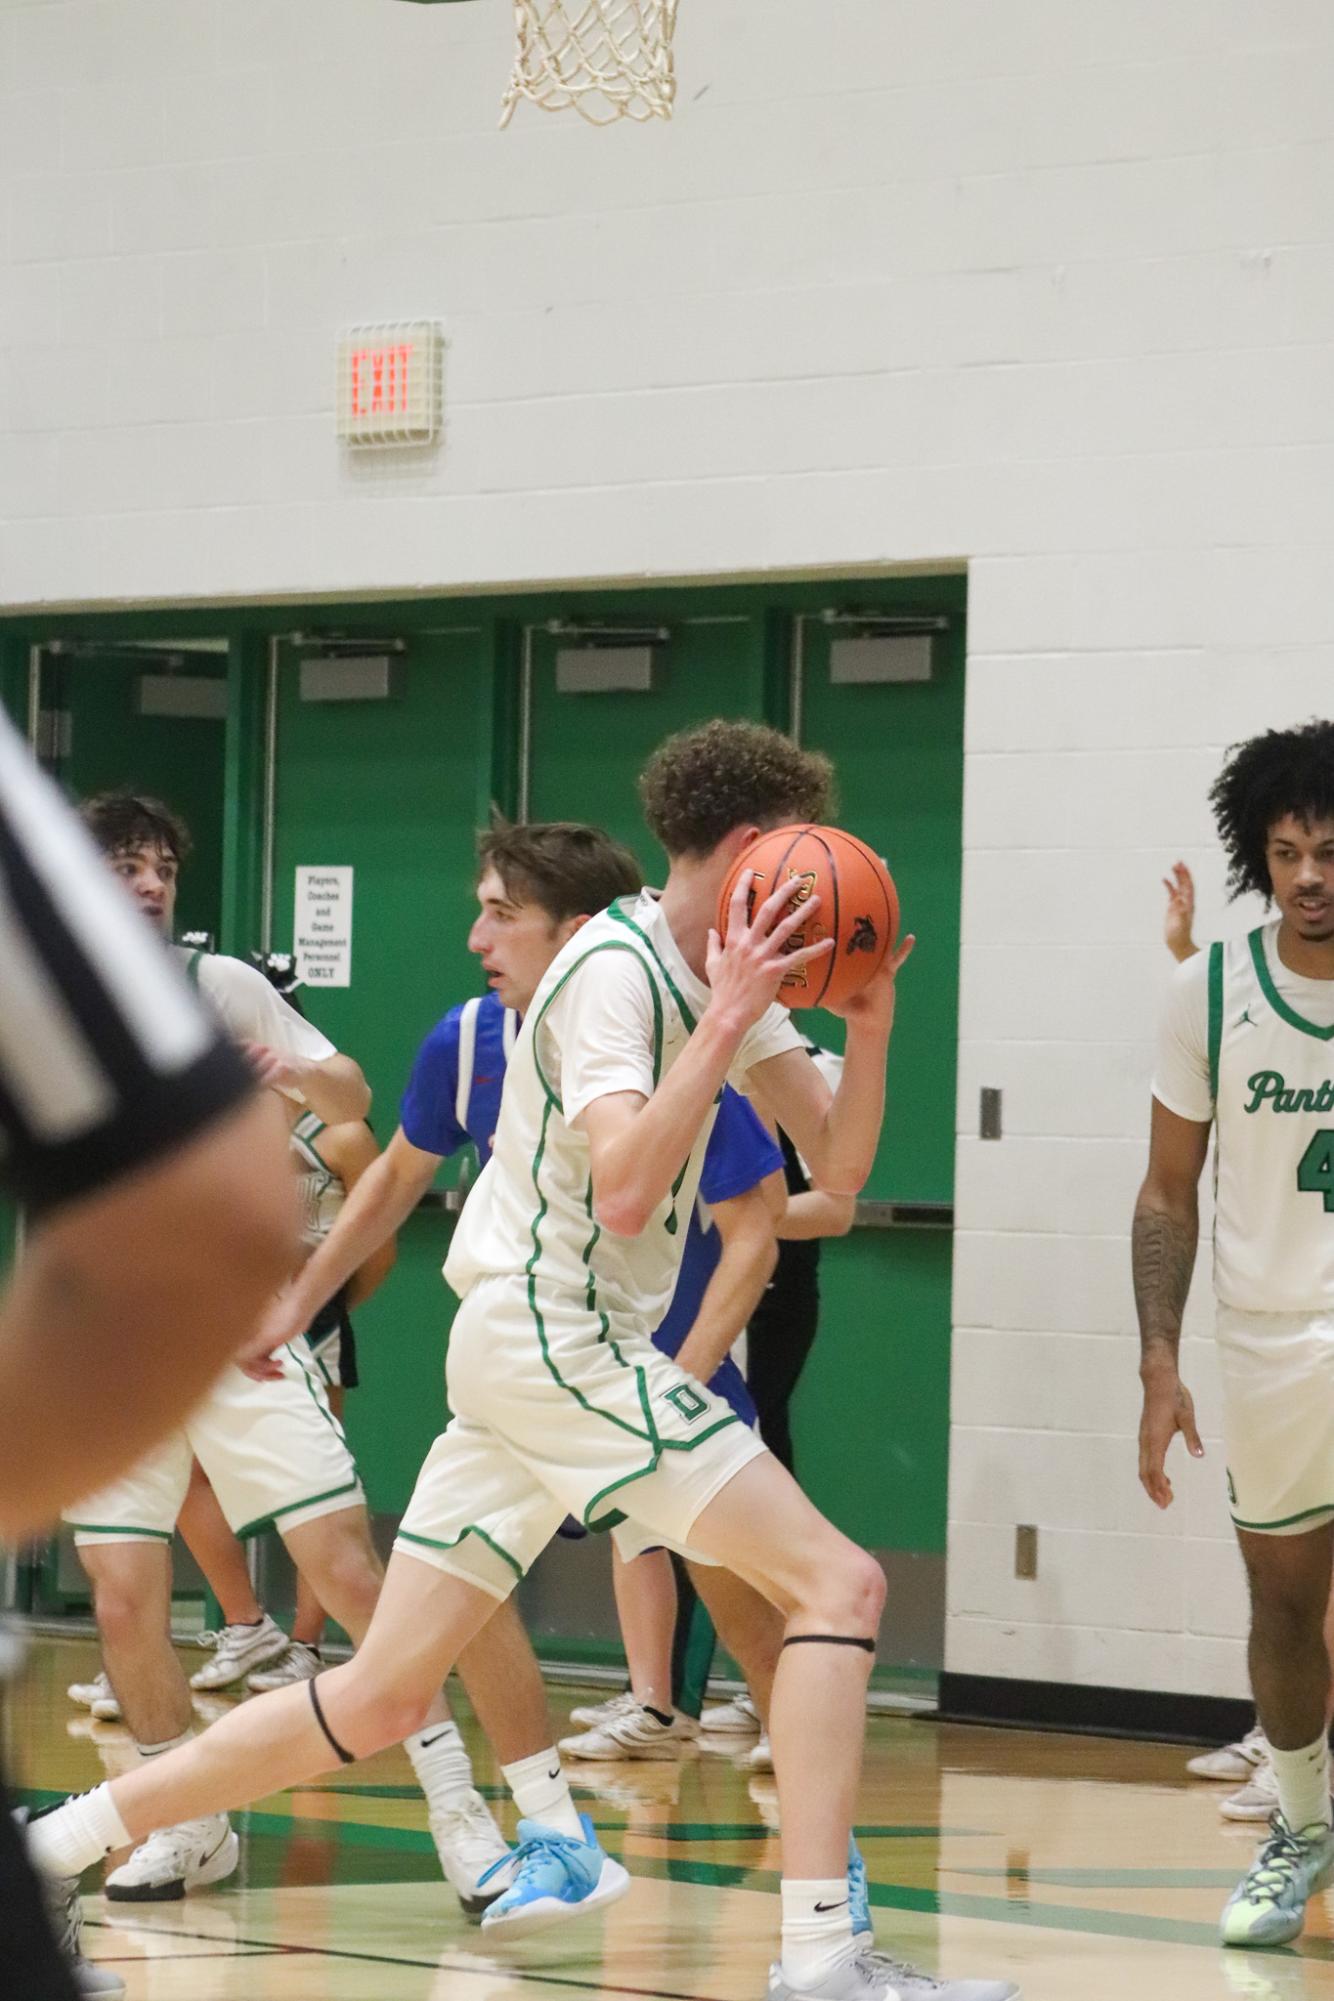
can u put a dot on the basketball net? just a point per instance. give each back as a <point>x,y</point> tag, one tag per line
<point>605,59</point>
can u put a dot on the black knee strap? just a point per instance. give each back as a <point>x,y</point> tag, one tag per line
<point>344,1757</point>
<point>821,1640</point>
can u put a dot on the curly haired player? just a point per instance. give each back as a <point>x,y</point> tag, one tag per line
<point>1247,1047</point>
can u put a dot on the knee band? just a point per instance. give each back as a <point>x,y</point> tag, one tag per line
<point>344,1757</point>
<point>821,1640</point>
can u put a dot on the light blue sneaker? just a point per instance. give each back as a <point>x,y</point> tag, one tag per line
<point>555,1877</point>
<point>859,1896</point>
<point>1268,1906</point>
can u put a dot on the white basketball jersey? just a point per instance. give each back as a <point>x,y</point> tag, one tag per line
<point>1272,1074</point>
<point>620,1026</point>
<point>321,1192</point>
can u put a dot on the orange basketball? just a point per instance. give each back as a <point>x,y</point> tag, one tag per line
<point>859,907</point>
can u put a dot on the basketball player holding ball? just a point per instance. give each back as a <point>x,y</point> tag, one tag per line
<point>564,1258</point>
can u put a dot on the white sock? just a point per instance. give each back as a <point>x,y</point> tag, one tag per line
<point>541,1792</point>
<point>817,1926</point>
<point>167,1744</point>
<point>1303,1784</point>
<point>72,1837</point>
<point>442,1765</point>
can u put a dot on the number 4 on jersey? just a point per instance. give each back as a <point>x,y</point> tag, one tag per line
<point>1315,1169</point>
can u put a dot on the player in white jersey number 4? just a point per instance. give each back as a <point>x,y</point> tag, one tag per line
<point>1247,1046</point>
<point>564,1258</point>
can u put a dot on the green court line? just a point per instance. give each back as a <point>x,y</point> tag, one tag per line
<point>1013,1911</point>
<point>737,1830</point>
<point>1114,1879</point>
<point>687,1830</point>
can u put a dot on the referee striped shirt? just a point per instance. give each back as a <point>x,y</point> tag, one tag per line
<point>106,1058</point>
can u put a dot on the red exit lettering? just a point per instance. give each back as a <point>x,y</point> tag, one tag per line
<point>379,379</point>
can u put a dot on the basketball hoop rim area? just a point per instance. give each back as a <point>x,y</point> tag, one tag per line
<point>606,59</point>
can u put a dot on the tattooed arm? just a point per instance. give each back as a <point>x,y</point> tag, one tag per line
<point>1163,1240</point>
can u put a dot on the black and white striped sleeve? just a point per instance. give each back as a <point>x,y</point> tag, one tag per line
<point>107,1059</point>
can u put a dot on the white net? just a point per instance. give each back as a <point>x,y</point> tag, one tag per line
<point>606,59</point>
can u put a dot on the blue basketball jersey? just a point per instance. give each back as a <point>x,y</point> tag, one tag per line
<point>453,1094</point>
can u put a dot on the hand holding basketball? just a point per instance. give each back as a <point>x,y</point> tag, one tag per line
<point>748,962</point>
<point>838,894</point>
<point>872,1006</point>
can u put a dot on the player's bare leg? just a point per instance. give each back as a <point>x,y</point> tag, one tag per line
<point>216,1550</point>
<point>831,1594</point>
<point>382,1696</point>
<point>499,1671</point>
<point>1290,1672</point>
<point>336,1553</point>
<point>308,1616</point>
<point>132,1601</point>
<point>132,1596</point>
<point>1289,1657</point>
<point>646,1726</point>
<point>749,1627</point>
<point>646,1608</point>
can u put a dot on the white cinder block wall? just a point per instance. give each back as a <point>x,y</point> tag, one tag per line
<point>1044,288</point>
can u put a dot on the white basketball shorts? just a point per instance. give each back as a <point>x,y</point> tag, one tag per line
<point>556,1412</point>
<point>1278,1418</point>
<point>274,1454</point>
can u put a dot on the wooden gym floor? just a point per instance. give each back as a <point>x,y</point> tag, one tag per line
<point>1082,1868</point>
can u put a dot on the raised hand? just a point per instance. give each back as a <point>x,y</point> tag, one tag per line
<point>873,1007</point>
<point>746,969</point>
<point>1179,918</point>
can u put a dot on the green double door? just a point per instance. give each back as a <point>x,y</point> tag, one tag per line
<point>393,789</point>
<point>872,1410</point>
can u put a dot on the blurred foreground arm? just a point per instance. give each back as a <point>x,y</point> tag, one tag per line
<point>129,1302</point>
<point>162,1208</point>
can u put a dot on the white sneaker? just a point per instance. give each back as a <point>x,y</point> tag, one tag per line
<point>64,1908</point>
<point>1256,1801</point>
<point>593,1714</point>
<point>469,1843</point>
<point>635,1733</point>
<point>239,1649</point>
<point>1232,1763</point>
<point>299,1663</point>
<point>731,1719</point>
<point>761,1758</point>
<point>174,1860</point>
<point>96,1695</point>
<point>862,1975</point>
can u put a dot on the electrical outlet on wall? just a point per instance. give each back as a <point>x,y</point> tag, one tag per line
<point>1025,1551</point>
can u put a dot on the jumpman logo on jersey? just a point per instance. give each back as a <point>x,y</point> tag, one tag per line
<point>1246,1019</point>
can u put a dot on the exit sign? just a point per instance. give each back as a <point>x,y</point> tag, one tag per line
<point>389,383</point>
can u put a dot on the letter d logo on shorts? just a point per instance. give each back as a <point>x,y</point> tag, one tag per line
<point>690,1404</point>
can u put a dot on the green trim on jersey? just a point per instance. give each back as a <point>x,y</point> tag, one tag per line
<point>649,1437</point>
<point>192,968</point>
<point>100,1528</point>
<point>1275,998</point>
<point>303,1137</point>
<point>608,945</point>
<point>1326,1508</point>
<point>664,1445</point>
<point>317,1397</point>
<point>1215,1015</point>
<point>352,1486</point>
<point>471,1528</point>
<point>614,911</point>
